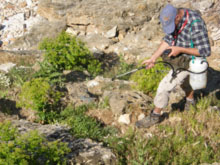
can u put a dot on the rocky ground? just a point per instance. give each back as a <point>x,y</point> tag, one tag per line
<point>23,25</point>
<point>17,18</point>
<point>122,27</point>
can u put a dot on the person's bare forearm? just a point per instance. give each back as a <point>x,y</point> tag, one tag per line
<point>190,51</point>
<point>178,50</point>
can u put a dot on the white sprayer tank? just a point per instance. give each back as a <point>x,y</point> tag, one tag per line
<point>198,81</point>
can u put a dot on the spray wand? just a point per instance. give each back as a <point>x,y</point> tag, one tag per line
<point>174,73</point>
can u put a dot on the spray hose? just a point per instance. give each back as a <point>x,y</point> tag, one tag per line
<point>178,70</point>
<point>174,73</point>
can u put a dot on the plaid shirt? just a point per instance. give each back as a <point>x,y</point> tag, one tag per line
<point>196,32</point>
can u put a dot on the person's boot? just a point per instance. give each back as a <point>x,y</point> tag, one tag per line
<point>179,106</point>
<point>149,121</point>
<point>183,104</point>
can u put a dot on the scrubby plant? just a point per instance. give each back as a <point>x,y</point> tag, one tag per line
<point>67,52</point>
<point>7,132</point>
<point>52,74</point>
<point>148,80</point>
<point>39,95</point>
<point>176,146</point>
<point>19,75</point>
<point>82,125</point>
<point>29,148</point>
<point>182,146</point>
<point>121,146</point>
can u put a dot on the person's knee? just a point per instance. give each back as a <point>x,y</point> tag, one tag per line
<point>161,100</point>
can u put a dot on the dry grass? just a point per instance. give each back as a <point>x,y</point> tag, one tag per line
<point>17,59</point>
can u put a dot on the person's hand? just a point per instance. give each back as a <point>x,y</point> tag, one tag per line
<point>149,63</point>
<point>175,51</point>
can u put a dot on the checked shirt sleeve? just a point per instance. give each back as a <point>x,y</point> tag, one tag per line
<point>168,39</point>
<point>199,36</point>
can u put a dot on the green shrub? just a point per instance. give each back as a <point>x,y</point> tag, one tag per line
<point>84,126</point>
<point>48,71</point>
<point>68,53</point>
<point>39,95</point>
<point>148,80</point>
<point>29,148</point>
<point>7,132</point>
<point>18,75</point>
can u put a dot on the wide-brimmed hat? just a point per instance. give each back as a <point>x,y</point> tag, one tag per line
<point>167,18</point>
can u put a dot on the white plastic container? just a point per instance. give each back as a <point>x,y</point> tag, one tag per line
<point>198,81</point>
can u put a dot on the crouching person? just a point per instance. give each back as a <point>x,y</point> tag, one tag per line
<point>186,36</point>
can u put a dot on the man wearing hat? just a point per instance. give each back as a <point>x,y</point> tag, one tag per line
<point>186,35</point>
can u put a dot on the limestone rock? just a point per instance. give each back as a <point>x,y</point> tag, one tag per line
<point>124,119</point>
<point>7,66</point>
<point>77,94</point>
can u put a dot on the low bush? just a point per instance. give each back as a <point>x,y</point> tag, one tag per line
<point>148,80</point>
<point>29,148</point>
<point>37,94</point>
<point>19,75</point>
<point>66,52</point>
<point>47,71</point>
<point>82,125</point>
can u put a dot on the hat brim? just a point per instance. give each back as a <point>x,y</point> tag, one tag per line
<point>169,28</point>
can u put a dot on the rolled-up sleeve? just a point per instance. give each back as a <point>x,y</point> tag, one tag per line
<point>200,39</point>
